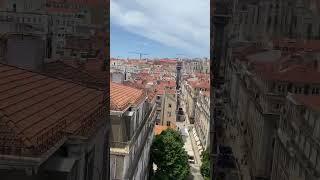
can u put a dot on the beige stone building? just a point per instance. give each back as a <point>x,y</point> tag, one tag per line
<point>132,119</point>
<point>259,80</point>
<point>202,120</point>
<point>277,18</point>
<point>297,150</point>
<point>190,91</point>
<point>168,108</point>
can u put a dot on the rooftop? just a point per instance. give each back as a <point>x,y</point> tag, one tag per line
<point>36,110</point>
<point>158,128</point>
<point>90,73</point>
<point>309,101</point>
<point>122,96</point>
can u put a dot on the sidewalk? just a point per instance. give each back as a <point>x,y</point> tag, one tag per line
<point>197,156</point>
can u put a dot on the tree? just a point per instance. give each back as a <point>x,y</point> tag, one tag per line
<point>205,166</point>
<point>168,154</point>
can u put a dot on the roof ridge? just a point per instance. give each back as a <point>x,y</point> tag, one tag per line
<point>50,76</point>
<point>78,69</point>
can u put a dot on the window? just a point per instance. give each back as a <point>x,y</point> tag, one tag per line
<point>14,7</point>
<point>315,90</point>
<point>169,106</point>
<point>168,123</point>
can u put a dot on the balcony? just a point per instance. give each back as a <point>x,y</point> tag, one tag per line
<point>149,118</point>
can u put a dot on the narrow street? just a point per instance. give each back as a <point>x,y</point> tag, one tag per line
<point>190,145</point>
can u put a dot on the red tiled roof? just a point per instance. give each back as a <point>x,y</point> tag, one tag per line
<point>36,109</point>
<point>297,45</point>
<point>171,61</point>
<point>90,73</point>
<point>199,84</point>
<point>206,93</point>
<point>298,73</point>
<point>310,101</point>
<point>121,96</point>
<point>134,84</point>
<point>158,129</point>
<point>91,66</point>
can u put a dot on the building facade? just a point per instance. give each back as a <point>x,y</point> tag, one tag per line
<point>297,148</point>
<point>202,119</point>
<point>52,128</point>
<point>132,120</point>
<point>168,108</point>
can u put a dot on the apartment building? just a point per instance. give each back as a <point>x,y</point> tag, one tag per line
<point>168,115</point>
<point>202,120</point>
<point>259,80</point>
<point>190,91</point>
<point>296,151</point>
<point>132,118</point>
<point>51,128</point>
<point>52,21</point>
<point>273,19</point>
<point>196,66</point>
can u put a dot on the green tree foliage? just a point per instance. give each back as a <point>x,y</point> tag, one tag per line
<point>168,154</point>
<point>205,167</point>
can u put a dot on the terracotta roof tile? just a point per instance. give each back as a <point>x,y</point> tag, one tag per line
<point>34,107</point>
<point>310,101</point>
<point>90,73</point>
<point>297,74</point>
<point>158,129</point>
<point>122,96</point>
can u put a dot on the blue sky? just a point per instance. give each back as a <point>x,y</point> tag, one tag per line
<point>160,28</point>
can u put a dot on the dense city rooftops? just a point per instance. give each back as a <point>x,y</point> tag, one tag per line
<point>298,67</point>
<point>122,96</point>
<point>203,84</point>
<point>37,111</point>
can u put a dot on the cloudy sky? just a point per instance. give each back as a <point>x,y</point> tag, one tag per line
<point>160,28</point>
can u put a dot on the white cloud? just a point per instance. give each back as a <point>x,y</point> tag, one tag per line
<point>182,24</point>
